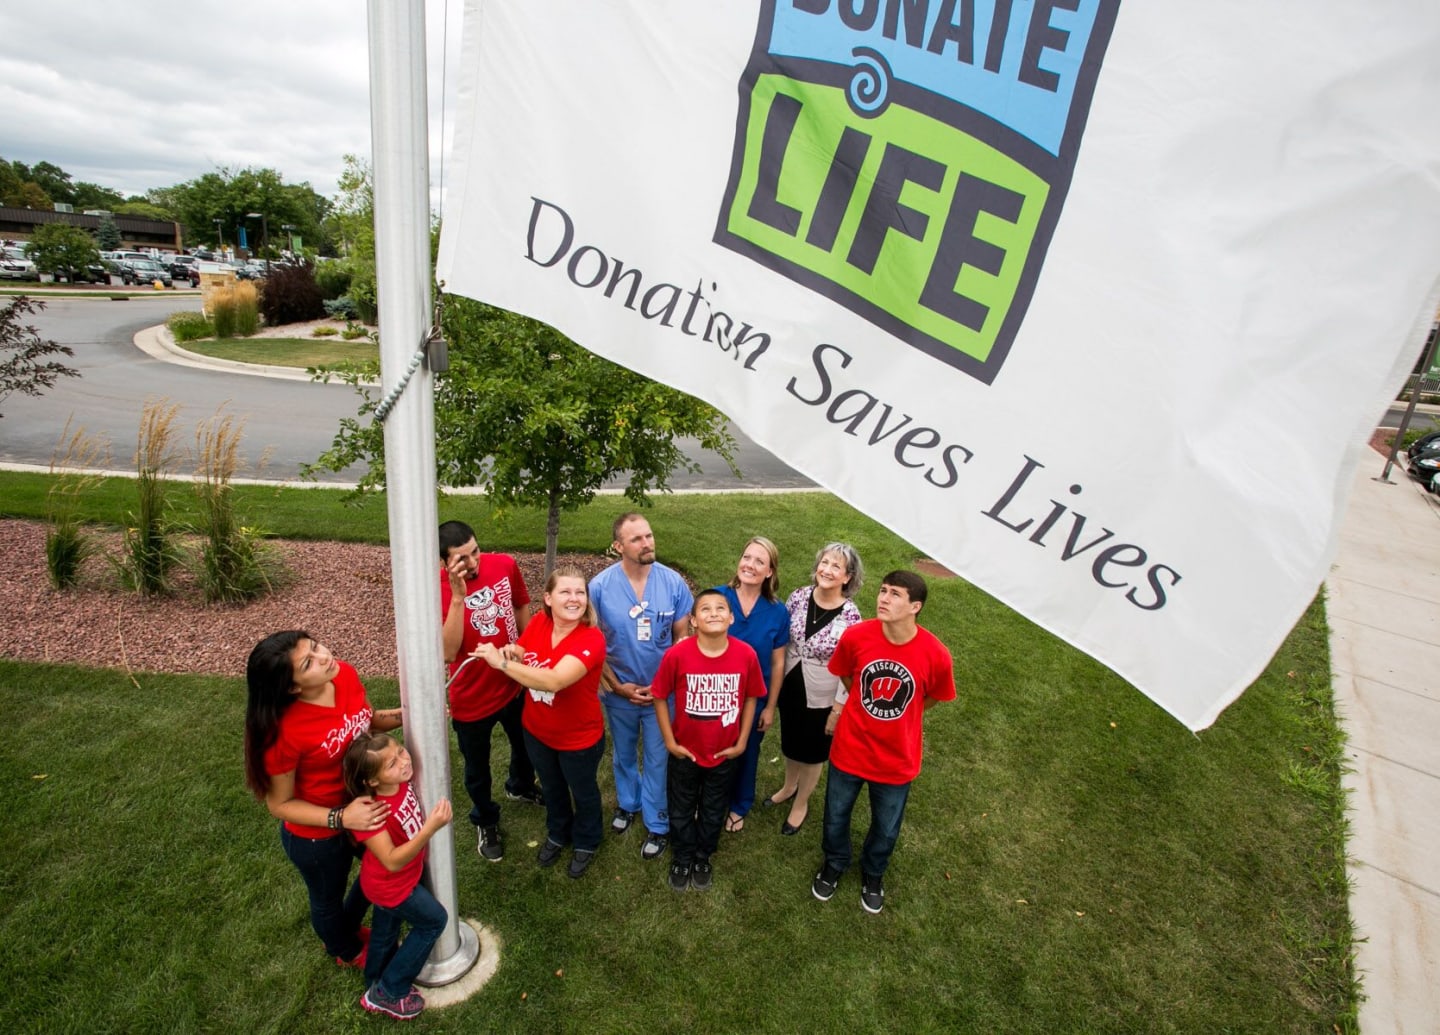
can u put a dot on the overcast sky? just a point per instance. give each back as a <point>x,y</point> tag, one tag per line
<point>134,95</point>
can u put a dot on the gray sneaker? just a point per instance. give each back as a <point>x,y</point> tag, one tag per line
<point>872,893</point>
<point>491,847</point>
<point>654,846</point>
<point>621,820</point>
<point>407,1007</point>
<point>823,886</point>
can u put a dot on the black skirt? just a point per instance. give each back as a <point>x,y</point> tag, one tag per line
<point>802,728</point>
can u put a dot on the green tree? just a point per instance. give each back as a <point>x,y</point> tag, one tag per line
<point>351,223</point>
<point>53,180</point>
<point>26,363</point>
<point>107,237</point>
<point>231,195</point>
<point>62,249</point>
<point>536,420</point>
<point>94,196</point>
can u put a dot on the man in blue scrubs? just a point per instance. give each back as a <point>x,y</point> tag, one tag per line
<point>643,608</point>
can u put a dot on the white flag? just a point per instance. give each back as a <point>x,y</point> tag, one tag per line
<point>1094,304</point>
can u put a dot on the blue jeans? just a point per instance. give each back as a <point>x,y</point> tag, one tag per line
<point>637,790</point>
<point>887,809</point>
<point>572,793</point>
<point>324,864</point>
<point>697,807</point>
<point>474,740</point>
<point>395,968</point>
<point>742,794</point>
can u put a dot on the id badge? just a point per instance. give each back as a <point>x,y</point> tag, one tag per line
<point>642,628</point>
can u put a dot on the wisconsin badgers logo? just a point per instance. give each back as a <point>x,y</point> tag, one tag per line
<point>886,689</point>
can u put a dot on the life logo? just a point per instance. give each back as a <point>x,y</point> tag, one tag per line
<point>909,158</point>
<point>886,689</point>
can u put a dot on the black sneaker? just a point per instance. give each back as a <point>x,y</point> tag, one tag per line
<point>491,847</point>
<point>823,886</point>
<point>548,853</point>
<point>872,893</point>
<point>679,876</point>
<point>654,846</point>
<point>579,863</point>
<point>701,875</point>
<point>531,794</point>
<point>621,820</point>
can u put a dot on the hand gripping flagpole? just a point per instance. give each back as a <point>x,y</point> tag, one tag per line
<point>400,135</point>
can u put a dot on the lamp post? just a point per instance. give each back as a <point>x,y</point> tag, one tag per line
<point>219,235</point>
<point>264,236</point>
<point>289,229</point>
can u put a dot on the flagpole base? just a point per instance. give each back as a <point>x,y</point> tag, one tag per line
<point>437,973</point>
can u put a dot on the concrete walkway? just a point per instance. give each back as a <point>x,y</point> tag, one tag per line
<point>1384,611</point>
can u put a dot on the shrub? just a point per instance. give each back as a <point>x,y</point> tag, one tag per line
<point>332,278</point>
<point>353,331</point>
<point>150,551</point>
<point>342,308</point>
<point>235,310</point>
<point>325,331</point>
<point>190,326</point>
<point>66,544</point>
<point>290,295</point>
<point>26,365</point>
<point>233,565</point>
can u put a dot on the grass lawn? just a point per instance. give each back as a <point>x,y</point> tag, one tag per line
<point>287,352</point>
<point>1072,860</point>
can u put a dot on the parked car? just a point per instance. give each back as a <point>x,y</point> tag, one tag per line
<point>145,271</point>
<point>16,265</point>
<point>185,267</point>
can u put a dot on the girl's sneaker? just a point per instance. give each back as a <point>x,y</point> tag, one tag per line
<point>406,1008</point>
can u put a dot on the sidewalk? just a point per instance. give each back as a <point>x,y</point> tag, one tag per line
<point>1383,604</point>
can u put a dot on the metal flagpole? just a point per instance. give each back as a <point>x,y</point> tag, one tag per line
<point>399,131</point>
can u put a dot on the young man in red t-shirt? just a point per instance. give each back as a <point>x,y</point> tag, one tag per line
<point>893,671</point>
<point>483,600</point>
<point>715,681</point>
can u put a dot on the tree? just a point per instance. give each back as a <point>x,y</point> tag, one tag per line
<point>231,195</point>
<point>93,196</point>
<point>107,237</point>
<point>351,222</point>
<point>539,421</point>
<point>62,249</point>
<point>25,365</point>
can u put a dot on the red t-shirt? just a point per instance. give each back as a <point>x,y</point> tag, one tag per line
<point>312,741</point>
<point>568,719</point>
<point>491,600</point>
<point>879,735</point>
<point>709,694</point>
<point>405,820</point>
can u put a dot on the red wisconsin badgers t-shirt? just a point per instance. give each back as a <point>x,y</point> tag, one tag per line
<point>312,741</point>
<point>879,735</point>
<point>405,820</point>
<point>491,599</point>
<point>709,694</point>
<point>568,719</point>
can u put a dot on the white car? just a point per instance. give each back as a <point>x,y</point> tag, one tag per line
<point>16,265</point>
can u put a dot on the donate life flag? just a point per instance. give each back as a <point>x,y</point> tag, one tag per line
<point>1095,303</point>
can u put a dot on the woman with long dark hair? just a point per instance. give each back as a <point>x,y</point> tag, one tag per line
<point>304,708</point>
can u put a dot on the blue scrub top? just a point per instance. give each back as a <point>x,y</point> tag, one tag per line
<point>765,629</point>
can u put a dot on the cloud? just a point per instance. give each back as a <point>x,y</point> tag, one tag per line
<point>135,96</point>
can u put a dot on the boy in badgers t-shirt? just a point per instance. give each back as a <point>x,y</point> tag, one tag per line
<point>893,672</point>
<point>715,682</point>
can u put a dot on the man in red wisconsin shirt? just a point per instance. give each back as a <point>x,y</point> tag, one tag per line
<point>893,672</point>
<point>483,600</point>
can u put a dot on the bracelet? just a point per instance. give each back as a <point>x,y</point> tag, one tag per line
<point>336,819</point>
<point>504,663</point>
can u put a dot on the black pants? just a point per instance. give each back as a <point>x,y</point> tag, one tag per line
<point>474,739</point>
<point>699,799</point>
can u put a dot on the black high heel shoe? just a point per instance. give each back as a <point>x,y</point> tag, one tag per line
<point>787,830</point>
<point>771,803</point>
